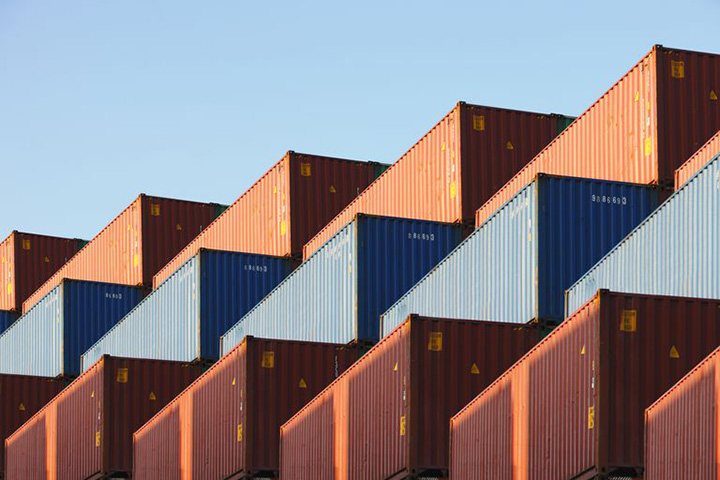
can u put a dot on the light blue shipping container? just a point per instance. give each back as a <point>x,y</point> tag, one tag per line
<point>184,317</point>
<point>50,338</point>
<point>674,252</point>
<point>338,294</point>
<point>516,266</point>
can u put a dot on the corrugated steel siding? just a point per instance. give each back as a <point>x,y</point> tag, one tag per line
<point>673,252</point>
<point>516,266</point>
<point>131,249</point>
<point>49,339</point>
<point>287,206</point>
<point>453,169</point>
<point>6,319</point>
<point>183,318</point>
<point>338,295</point>
<point>695,163</point>
<point>228,421</point>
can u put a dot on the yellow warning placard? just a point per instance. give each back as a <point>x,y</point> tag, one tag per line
<point>435,342</point>
<point>332,189</point>
<point>302,383</point>
<point>474,369</point>
<point>674,352</point>
<point>283,228</point>
<point>122,375</point>
<point>233,382</point>
<point>591,418</point>
<point>677,68</point>
<point>268,359</point>
<point>402,425</point>
<point>152,397</point>
<point>713,95</point>
<point>479,122</point>
<point>155,209</point>
<point>97,439</point>
<point>239,432</point>
<point>582,350</point>
<point>395,368</point>
<point>26,244</point>
<point>628,321</point>
<point>178,227</point>
<point>47,259</point>
<point>21,407</point>
<point>509,145</point>
<point>648,146</point>
<point>305,169</point>
<point>453,190</point>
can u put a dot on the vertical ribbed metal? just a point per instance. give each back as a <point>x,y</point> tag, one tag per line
<point>695,163</point>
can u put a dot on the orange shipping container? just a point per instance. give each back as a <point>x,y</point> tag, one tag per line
<point>693,165</point>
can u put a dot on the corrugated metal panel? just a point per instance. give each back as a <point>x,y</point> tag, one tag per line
<point>287,206</point>
<point>86,431</point>
<point>227,423</point>
<point>453,169</point>
<point>695,163</point>
<point>135,245</point>
<point>183,318</point>
<point>6,319</point>
<point>639,131</point>
<point>337,296</point>
<point>578,398</point>
<point>388,415</point>
<point>681,428</point>
<point>49,339</point>
<point>673,252</point>
<point>517,265</point>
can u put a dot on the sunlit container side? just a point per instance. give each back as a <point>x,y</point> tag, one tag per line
<point>642,129</point>
<point>452,170</point>
<point>27,260</point>
<point>574,406</point>
<point>517,265</point>
<point>695,163</point>
<point>49,340</point>
<point>135,245</point>
<point>183,318</point>
<point>682,427</point>
<point>286,206</point>
<point>20,397</point>
<point>86,431</point>
<point>337,296</point>
<point>227,423</point>
<point>388,415</point>
<point>7,319</point>
<point>673,252</point>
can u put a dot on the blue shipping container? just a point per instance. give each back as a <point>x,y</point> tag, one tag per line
<point>48,340</point>
<point>338,294</point>
<point>516,266</point>
<point>674,252</point>
<point>184,317</point>
<point>6,319</point>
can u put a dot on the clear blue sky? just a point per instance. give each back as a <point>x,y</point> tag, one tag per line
<point>103,100</point>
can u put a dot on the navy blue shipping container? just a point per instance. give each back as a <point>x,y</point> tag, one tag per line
<point>6,319</point>
<point>50,338</point>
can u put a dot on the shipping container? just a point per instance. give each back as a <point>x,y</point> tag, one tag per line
<point>673,252</point>
<point>20,397</point>
<point>695,163</point>
<point>452,170</point>
<point>681,427</point>
<point>27,260</point>
<point>517,265</point>
<point>86,431</point>
<point>183,318</point>
<point>49,340</point>
<point>286,206</point>
<point>135,245</point>
<point>642,129</point>
<point>7,318</point>
<point>337,296</point>
<point>227,423</point>
<point>388,415</point>
<point>574,406</point>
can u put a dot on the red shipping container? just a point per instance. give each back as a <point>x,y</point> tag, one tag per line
<point>20,397</point>
<point>642,129</point>
<point>27,260</point>
<point>286,207</point>
<point>86,431</point>
<point>693,165</point>
<point>454,168</point>
<point>682,427</point>
<point>574,406</point>
<point>387,416</point>
<point>227,423</point>
<point>135,245</point>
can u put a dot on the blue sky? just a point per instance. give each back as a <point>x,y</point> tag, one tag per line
<point>103,100</point>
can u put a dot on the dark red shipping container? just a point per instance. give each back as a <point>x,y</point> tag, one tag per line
<point>86,431</point>
<point>454,168</point>
<point>693,165</point>
<point>642,129</point>
<point>27,260</point>
<point>227,423</point>
<point>135,245</point>
<point>286,207</point>
<point>574,406</point>
<point>387,417</point>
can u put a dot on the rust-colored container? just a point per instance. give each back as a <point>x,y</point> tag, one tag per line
<point>387,416</point>
<point>453,169</point>
<point>27,260</point>
<point>574,406</point>
<point>286,207</point>
<point>642,129</point>
<point>20,397</point>
<point>227,423</point>
<point>135,245</point>
<point>706,153</point>
<point>86,431</point>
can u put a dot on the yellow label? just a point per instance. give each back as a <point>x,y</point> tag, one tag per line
<point>155,209</point>
<point>97,439</point>
<point>274,189</point>
<point>442,147</point>
<point>268,359</point>
<point>582,350</point>
<point>674,352</point>
<point>395,367</point>
<point>302,383</point>
<point>332,189</point>
<point>637,96</point>
<point>47,259</point>
<point>474,369</point>
<point>92,395</point>
<point>178,227</point>
<point>648,146</point>
<point>152,397</point>
<point>509,145</point>
<point>591,418</point>
<point>9,288</point>
<point>26,244</point>
<point>435,341</point>
<point>402,425</point>
<point>305,170</point>
<point>453,190</point>
<point>135,260</point>
<point>233,382</point>
<point>628,322</point>
<point>21,407</point>
<point>239,432</point>
<point>713,95</point>
<point>479,122</point>
<point>283,228</point>
<point>677,69</point>
<point>122,375</point>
